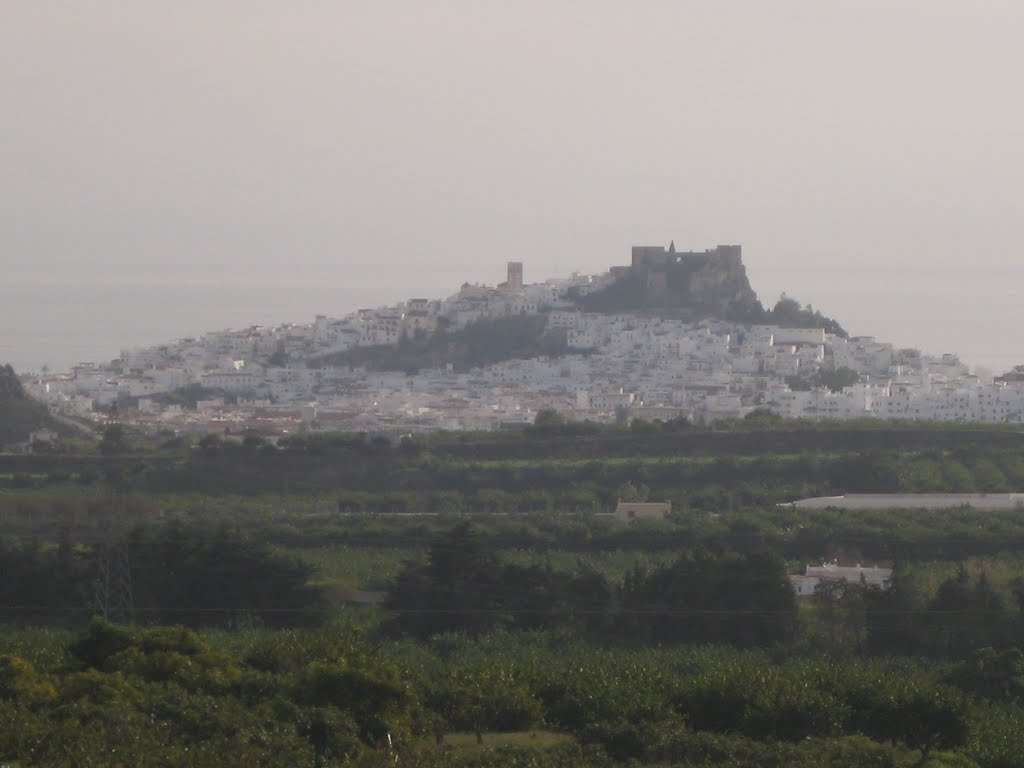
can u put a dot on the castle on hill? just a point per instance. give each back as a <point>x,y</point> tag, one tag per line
<point>656,265</point>
<point>685,283</point>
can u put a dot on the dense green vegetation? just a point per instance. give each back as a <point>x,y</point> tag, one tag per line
<point>162,696</point>
<point>517,627</point>
<point>787,313</point>
<point>561,467</point>
<point>164,574</point>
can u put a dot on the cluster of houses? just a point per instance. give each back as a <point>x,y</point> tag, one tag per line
<point>617,367</point>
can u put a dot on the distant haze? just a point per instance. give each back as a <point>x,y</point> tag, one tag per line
<point>171,168</point>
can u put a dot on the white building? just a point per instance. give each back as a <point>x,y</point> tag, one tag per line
<point>804,584</point>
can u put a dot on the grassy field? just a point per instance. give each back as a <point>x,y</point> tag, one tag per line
<point>342,568</point>
<point>612,564</point>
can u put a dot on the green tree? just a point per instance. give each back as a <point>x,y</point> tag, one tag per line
<point>114,440</point>
<point>486,697</point>
<point>743,600</point>
<point>633,492</point>
<point>547,419</point>
<point>838,379</point>
<point>458,588</point>
<point>368,688</point>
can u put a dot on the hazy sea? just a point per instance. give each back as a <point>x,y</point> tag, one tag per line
<point>60,323</point>
<point>976,313</point>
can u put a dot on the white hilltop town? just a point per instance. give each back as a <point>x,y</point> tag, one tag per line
<point>609,367</point>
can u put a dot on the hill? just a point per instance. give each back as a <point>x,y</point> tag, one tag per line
<point>19,414</point>
<point>660,282</point>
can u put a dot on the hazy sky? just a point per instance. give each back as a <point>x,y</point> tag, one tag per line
<point>400,148</point>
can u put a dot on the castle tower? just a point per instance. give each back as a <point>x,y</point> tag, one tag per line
<point>515,276</point>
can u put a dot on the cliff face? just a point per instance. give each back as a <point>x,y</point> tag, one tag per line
<point>711,283</point>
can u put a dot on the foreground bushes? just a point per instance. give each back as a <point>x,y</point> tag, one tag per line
<point>167,696</point>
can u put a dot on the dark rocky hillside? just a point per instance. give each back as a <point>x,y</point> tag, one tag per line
<point>483,343</point>
<point>19,413</point>
<point>689,285</point>
<point>697,285</point>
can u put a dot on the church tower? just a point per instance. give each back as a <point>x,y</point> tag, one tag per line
<point>515,276</point>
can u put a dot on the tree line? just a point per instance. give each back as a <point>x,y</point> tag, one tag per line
<point>735,599</point>
<point>168,573</point>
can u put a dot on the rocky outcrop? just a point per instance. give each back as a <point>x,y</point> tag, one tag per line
<point>710,283</point>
